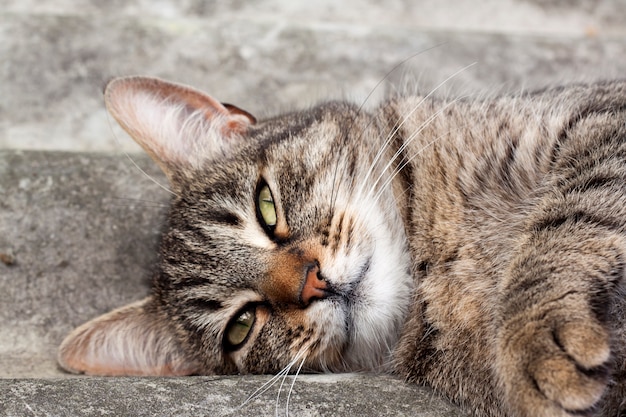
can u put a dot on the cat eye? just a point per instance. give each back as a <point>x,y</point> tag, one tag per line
<point>266,208</point>
<point>239,328</point>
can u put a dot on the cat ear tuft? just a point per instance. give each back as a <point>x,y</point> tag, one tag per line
<point>131,340</point>
<point>178,126</point>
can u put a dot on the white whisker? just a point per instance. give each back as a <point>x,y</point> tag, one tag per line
<point>333,196</point>
<point>292,384</point>
<point>280,388</point>
<point>390,136</point>
<point>401,167</point>
<point>406,143</point>
<point>401,63</point>
<point>262,389</point>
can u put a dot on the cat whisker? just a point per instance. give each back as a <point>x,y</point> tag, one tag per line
<point>283,372</point>
<point>280,388</point>
<point>391,135</point>
<point>301,353</point>
<point>151,178</point>
<point>402,148</point>
<point>292,384</point>
<point>263,388</point>
<point>410,139</point>
<point>399,169</point>
<point>392,70</point>
<point>333,195</point>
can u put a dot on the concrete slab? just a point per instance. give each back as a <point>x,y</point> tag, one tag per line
<point>80,233</point>
<point>311,395</point>
<point>274,54</point>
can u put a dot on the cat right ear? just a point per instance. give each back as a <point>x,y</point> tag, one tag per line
<point>132,340</point>
<point>179,127</point>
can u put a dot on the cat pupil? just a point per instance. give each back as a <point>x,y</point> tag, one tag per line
<point>238,330</point>
<point>266,207</point>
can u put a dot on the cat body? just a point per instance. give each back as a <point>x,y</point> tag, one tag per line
<point>518,222</point>
<point>473,245</point>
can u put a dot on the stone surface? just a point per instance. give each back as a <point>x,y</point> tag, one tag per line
<point>271,55</point>
<point>311,395</point>
<point>82,233</point>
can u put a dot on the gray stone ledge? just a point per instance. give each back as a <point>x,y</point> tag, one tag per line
<point>311,395</point>
<point>82,232</point>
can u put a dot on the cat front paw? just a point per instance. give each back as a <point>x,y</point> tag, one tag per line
<point>556,363</point>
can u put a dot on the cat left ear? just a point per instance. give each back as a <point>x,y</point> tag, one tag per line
<point>178,126</point>
<point>132,340</point>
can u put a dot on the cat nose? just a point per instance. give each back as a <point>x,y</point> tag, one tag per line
<point>314,286</point>
<point>294,278</point>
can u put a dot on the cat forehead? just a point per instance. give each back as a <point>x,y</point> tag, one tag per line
<point>289,143</point>
<point>327,118</point>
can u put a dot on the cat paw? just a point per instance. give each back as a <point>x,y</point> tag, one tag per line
<point>556,364</point>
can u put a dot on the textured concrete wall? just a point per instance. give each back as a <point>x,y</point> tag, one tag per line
<point>78,230</point>
<point>269,55</point>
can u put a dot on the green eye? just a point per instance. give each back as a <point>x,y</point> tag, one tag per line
<point>265,204</point>
<point>239,328</point>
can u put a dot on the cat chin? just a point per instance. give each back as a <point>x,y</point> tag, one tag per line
<point>377,318</point>
<point>379,300</point>
<point>368,311</point>
<point>362,325</point>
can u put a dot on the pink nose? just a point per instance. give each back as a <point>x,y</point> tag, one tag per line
<point>314,287</point>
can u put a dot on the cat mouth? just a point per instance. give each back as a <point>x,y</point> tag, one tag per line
<point>351,292</point>
<point>351,297</point>
<point>348,292</point>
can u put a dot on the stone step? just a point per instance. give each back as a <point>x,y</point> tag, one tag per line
<point>309,395</point>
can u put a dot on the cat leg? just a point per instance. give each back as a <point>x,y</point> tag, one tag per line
<point>559,342</point>
<point>554,355</point>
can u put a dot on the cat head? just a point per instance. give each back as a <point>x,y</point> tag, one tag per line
<point>284,242</point>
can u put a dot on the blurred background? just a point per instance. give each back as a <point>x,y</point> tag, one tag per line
<point>271,55</point>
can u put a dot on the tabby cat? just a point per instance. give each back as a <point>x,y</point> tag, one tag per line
<point>477,246</point>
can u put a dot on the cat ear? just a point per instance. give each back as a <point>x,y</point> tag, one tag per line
<point>132,340</point>
<point>179,127</point>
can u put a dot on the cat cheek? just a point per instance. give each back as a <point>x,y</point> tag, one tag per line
<point>311,337</point>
